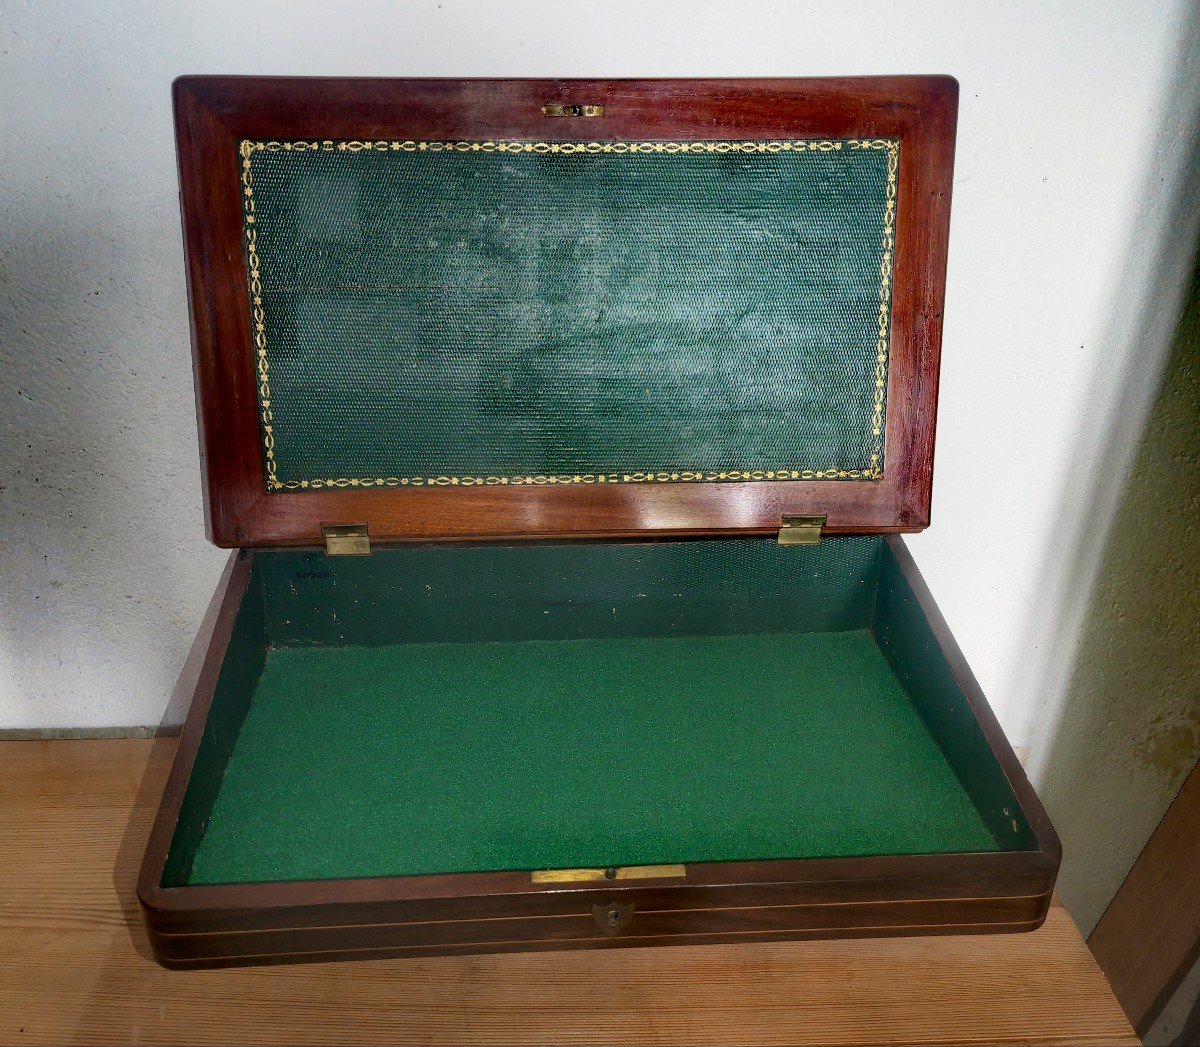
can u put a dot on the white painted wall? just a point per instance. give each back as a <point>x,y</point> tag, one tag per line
<point>1069,171</point>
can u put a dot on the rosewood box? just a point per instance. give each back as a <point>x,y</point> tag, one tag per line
<point>565,431</point>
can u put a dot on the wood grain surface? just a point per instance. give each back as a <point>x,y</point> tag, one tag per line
<point>1149,936</point>
<point>75,966</point>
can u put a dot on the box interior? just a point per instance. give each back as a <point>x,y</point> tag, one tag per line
<point>472,708</point>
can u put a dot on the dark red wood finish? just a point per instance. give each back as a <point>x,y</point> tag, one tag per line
<point>214,113</point>
<point>194,689</point>
<point>477,912</point>
<point>718,902</point>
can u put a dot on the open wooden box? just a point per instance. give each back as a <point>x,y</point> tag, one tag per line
<point>565,429</point>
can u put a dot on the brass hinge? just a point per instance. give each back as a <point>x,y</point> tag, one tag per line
<point>801,530</point>
<point>347,540</point>
<point>623,872</point>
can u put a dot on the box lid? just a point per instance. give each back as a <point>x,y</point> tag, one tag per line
<point>454,309</point>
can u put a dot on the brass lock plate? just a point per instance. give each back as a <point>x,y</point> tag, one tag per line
<point>622,872</point>
<point>556,109</point>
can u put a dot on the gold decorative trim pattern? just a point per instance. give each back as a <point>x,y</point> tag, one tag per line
<point>247,149</point>
<point>258,318</point>
<point>885,303</point>
<point>661,476</point>
<point>805,145</point>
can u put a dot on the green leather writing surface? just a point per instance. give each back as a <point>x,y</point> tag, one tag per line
<point>516,312</point>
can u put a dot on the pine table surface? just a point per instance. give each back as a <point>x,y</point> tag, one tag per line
<point>75,967</point>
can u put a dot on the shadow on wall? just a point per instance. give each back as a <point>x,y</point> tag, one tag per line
<point>1129,732</point>
<point>1128,729</point>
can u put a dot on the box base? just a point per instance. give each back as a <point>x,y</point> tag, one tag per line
<point>381,754</point>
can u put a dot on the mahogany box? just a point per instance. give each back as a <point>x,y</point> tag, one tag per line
<point>565,431</point>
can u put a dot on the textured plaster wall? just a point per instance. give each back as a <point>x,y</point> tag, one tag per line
<point>1128,726</point>
<point>1069,251</point>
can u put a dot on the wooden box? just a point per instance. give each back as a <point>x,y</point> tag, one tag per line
<point>565,431</point>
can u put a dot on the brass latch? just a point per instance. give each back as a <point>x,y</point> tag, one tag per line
<point>623,872</point>
<point>347,540</point>
<point>553,109</point>
<point>801,530</point>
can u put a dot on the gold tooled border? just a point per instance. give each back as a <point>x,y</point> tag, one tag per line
<point>258,315</point>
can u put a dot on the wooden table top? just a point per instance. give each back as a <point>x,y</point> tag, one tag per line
<point>75,967</point>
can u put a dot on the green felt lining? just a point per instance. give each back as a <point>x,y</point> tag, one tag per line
<point>475,707</point>
<point>439,758</point>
